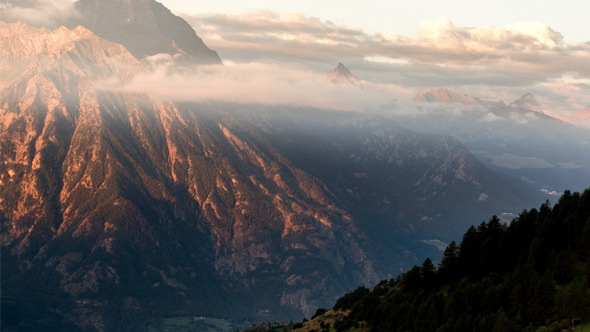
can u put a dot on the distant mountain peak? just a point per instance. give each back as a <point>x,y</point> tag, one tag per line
<point>528,102</point>
<point>341,68</point>
<point>342,75</point>
<point>446,96</point>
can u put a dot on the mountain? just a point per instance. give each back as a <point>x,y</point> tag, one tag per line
<point>342,75</point>
<point>527,102</point>
<point>70,54</point>
<point>121,201</point>
<point>517,140</point>
<point>529,275</point>
<point>383,160</point>
<point>445,96</point>
<point>144,27</point>
<point>119,210</point>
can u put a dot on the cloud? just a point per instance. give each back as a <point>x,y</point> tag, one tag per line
<point>530,49</point>
<point>252,83</point>
<point>521,57</point>
<point>262,34</point>
<point>38,13</point>
<point>569,165</point>
<point>523,118</point>
<point>511,161</point>
<point>490,117</point>
<point>518,58</point>
<point>488,39</point>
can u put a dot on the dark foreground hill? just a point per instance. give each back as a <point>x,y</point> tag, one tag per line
<point>530,275</point>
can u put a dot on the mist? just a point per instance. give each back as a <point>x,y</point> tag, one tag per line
<point>39,13</point>
<point>254,83</point>
<point>490,62</point>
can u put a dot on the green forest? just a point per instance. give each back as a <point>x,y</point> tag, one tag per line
<point>532,274</point>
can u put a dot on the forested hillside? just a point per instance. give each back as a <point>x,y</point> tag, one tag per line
<point>532,274</point>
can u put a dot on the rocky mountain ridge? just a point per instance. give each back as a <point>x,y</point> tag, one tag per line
<point>117,208</point>
<point>446,96</point>
<point>518,139</point>
<point>145,27</point>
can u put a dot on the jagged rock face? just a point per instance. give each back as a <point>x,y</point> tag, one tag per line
<point>145,28</point>
<point>106,193</point>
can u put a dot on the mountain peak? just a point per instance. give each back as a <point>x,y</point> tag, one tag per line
<point>342,75</point>
<point>342,69</point>
<point>444,95</point>
<point>145,28</point>
<point>528,102</point>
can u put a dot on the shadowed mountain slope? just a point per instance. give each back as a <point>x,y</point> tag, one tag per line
<point>118,208</point>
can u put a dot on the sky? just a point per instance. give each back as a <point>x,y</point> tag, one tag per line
<point>492,50</point>
<point>569,17</point>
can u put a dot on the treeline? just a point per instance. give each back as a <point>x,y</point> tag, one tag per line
<point>530,275</point>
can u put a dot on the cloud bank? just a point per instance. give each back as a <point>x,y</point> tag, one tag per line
<point>37,13</point>
<point>252,83</point>
<point>506,61</point>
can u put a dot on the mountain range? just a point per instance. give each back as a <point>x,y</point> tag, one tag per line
<point>144,27</point>
<point>516,139</point>
<point>118,209</point>
<point>115,202</point>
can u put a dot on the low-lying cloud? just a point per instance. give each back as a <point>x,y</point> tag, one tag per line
<point>39,13</point>
<point>518,58</point>
<point>253,83</point>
